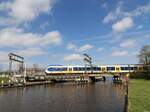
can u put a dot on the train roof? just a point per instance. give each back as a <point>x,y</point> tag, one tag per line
<point>95,65</point>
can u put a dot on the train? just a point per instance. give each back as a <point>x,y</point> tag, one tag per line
<point>122,68</point>
<point>70,73</point>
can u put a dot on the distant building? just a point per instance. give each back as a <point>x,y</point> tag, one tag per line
<point>35,71</point>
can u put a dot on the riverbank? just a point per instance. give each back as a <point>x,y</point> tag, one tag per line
<point>139,95</point>
<point>26,84</point>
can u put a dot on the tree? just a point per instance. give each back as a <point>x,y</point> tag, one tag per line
<point>144,58</point>
<point>35,67</point>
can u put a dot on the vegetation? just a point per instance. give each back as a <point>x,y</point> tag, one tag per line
<point>139,95</point>
<point>139,75</point>
<point>4,72</point>
<point>144,58</point>
<point>5,80</point>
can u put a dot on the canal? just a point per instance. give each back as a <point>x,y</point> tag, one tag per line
<point>64,97</point>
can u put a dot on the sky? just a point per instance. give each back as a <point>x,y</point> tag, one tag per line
<point>59,32</point>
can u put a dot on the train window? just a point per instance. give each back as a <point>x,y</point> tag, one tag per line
<point>88,68</point>
<point>99,68</point>
<point>78,68</point>
<point>124,68</point>
<point>145,68</point>
<point>50,69</point>
<point>110,68</point>
<point>140,68</point>
<point>96,68</point>
<point>65,69</point>
<point>57,69</point>
<point>131,68</point>
<point>70,69</point>
<point>135,68</point>
<point>75,69</point>
<point>82,68</point>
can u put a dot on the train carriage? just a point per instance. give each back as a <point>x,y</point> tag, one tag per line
<point>66,70</point>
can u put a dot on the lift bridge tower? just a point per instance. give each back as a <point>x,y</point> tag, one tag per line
<point>16,58</point>
<point>88,63</point>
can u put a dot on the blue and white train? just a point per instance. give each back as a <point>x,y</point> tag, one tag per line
<point>63,70</point>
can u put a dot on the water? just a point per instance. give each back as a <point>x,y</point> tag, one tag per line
<point>64,97</point>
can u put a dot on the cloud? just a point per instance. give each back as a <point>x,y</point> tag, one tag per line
<point>123,24</point>
<point>5,5</point>
<point>12,37</point>
<point>3,56</point>
<point>3,60</point>
<point>26,53</point>
<point>53,38</point>
<point>118,13</point>
<point>73,57</point>
<point>140,27</point>
<point>83,48</point>
<point>128,43</point>
<point>71,46</point>
<point>109,17</point>
<point>147,36</point>
<point>7,21</point>
<point>140,10</point>
<point>100,49</point>
<point>104,5</point>
<point>44,25</point>
<point>120,53</point>
<point>31,52</point>
<point>26,10</point>
<point>113,15</point>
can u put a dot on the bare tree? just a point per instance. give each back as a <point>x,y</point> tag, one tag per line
<point>144,56</point>
<point>35,67</point>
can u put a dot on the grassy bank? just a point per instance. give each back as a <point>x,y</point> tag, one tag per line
<point>139,95</point>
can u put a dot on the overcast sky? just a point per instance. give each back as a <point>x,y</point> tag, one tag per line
<point>52,32</point>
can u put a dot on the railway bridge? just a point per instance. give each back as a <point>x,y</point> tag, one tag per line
<point>70,73</point>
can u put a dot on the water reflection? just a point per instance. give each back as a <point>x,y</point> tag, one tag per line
<point>65,97</point>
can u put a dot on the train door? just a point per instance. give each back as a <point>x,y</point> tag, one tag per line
<point>69,70</point>
<point>104,69</point>
<point>117,69</point>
